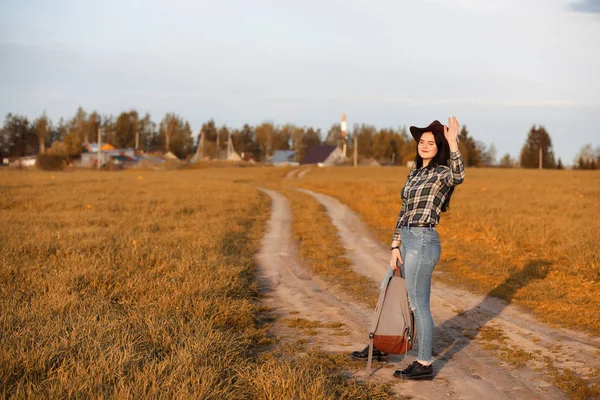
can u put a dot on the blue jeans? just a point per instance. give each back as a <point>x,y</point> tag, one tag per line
<point>420,252</point>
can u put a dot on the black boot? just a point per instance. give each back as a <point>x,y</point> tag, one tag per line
<point>405,371</point>
<point>415,371</point>
<point>363,355</point>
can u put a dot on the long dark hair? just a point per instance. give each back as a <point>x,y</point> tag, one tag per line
<point>441,158</point>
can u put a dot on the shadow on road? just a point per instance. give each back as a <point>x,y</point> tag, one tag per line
<point>456,333</point>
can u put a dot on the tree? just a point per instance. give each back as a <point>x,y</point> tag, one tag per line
<point>43,128</point>
<point>182,143</point>
<point>4,147</point>
<point>72,144</point>
<point>265,137</point>
<point>91,128</point>
<point>536,139</point>
<point>84,125</point>
<point>398,143</point>
<point>334,135</point>
<point>310,138</point>
<point>487,155</point>
<point>59,131</point>
<point>244,141</point>
<point>283,138</point>
<point>19,137</point>
<point>237,140</point>
<point>222,137</point>
<point>506,161</point>
<point>167,129</point>
<point>387,145</point>
<point>587,158</point>
<point>365,134</point>
<point>176,135</point>
<point>469,148</point>
<point>58,148</point>
<point>78,125</point>
<point>559,164</point>
<point>107,126</point>
<point>125,130</point>
<point>210,131</point>
<point>147,131</point>
<point>296,134</point>
<point>409,149</point>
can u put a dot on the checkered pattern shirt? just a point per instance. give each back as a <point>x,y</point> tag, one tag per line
<point>425,191</point>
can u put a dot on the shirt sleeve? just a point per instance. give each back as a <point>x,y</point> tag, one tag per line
<point>398,230</point>
<point>455,175</point>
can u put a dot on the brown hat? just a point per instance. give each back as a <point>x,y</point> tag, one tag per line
<point>435,127</point>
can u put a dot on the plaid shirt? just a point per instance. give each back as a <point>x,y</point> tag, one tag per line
<point>425,191</point>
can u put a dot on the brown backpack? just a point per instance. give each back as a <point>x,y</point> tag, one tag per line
<point>392,326</point>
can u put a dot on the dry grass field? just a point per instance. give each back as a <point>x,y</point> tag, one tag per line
<point>531,237</point>
<point>142,284</point>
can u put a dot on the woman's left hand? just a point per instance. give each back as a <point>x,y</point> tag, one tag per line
<point>451,130</point>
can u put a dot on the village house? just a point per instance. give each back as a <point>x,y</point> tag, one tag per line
<point>324,156</point>
<point>108,154</point>
<point>283,157</point>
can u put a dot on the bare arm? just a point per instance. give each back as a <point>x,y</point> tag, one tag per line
<point>456,174</point>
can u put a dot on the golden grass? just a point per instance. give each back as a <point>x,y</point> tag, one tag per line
<point>527,236</point>
<point>491,333</point>
<point>569,382</point>
<point>303,323</point>
<point>517,357</point>
<point>142,284</point>
<point>301,378</point>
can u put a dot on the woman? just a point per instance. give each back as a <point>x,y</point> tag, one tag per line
<point>415,244</point>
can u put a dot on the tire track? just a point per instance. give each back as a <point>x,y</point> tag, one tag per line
<point>295,292</point>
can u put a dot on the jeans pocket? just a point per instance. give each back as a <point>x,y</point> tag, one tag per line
<point>410,233</point>
<point>433,247</point>
<point>434,250</point>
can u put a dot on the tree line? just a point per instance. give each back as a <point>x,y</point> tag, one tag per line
<point>20,137</point>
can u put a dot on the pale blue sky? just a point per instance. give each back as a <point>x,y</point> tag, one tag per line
<point>498,65</point>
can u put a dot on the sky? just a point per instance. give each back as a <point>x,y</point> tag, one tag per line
<point>499,66</point>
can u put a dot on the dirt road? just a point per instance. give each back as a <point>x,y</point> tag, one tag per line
<point>464,369</point>
<point>295,293</point>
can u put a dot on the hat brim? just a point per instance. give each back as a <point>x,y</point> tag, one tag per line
<point>435,127</point>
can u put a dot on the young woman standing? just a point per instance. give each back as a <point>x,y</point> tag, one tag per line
<point>415,244</point>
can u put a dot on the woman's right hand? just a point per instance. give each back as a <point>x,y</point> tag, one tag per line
<point>394,260</point>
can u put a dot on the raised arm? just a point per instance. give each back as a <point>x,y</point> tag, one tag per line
<point>456,174</point>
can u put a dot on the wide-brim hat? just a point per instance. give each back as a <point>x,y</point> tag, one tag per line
<point>435,127</point>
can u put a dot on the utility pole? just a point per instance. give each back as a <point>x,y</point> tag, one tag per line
<point>201,145</point>
<point>218,146</point>
<point>540,158</point>
<point>99,146</point>
<point>343,126</point>
<point>229,145</point>
<point>355,148</point>
<point>137,139</point>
